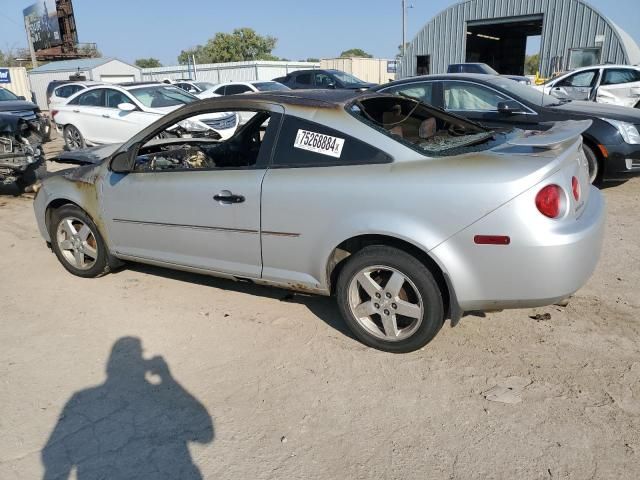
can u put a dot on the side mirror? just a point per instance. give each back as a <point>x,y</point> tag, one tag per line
<point>510,107</point>
<point>21,97</point>
<point>120,163</point>
<point>331,86</point>
<point>127,107</point>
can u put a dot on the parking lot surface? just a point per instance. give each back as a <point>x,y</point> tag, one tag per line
<point>148,372</point>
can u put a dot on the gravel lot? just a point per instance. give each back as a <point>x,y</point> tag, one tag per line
<point>246,382</point>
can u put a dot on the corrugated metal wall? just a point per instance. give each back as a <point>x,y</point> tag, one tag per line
<point>372,70</point>
<point>227,72</point>
<point>40,81</point>
<point>567,24</point>
<point>19,82</point>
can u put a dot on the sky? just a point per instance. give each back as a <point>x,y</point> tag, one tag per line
<point>131,29</point>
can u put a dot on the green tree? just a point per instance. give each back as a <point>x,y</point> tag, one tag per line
<point>148,62</point>
<point>242,45</point>
<point>89,50</point>
<point>531,64</point>
<point>15,57</point>
<point>399,54</point>
<point>311,60</point>
<point>355,52</point>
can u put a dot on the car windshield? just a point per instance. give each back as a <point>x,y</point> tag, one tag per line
<point>6,95</point>
<point>159,96</point>
<point>204,85</point>
<point>270,86</point>
<point>345,78</point>
<point>525,92</point>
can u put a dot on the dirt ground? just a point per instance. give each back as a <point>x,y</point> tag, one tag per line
<point>246,382</point>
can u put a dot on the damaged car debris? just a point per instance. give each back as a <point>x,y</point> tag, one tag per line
<point>21,156</point>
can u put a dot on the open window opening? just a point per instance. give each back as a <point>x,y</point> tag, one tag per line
<point>240,150</point>
<point>418,125</point>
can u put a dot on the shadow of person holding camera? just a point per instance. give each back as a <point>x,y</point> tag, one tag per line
<point>137,424</point>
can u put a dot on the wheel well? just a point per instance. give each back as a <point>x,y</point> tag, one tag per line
<point>341,253</point>
<point>55,204</point>
<point>593,145</point>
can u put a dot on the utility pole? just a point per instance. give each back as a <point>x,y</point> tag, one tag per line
<point>404,27</point>
<point>405,7</point>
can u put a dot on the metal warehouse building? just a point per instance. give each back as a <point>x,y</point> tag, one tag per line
<point>109,70</point>
<point>572,34</point>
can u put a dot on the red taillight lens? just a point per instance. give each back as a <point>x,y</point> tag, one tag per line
<point>54,113</point>
<point>549,201</point>
<point>575,186</point>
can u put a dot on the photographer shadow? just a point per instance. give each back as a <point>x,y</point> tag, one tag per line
<point>137,424</point>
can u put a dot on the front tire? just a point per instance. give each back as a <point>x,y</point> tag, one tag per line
<point>77,243</point>
<point>73,139</point>
<point>389,299</point>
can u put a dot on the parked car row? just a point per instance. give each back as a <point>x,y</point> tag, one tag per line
<point>611,144</point>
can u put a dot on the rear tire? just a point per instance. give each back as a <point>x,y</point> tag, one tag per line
<point>73,139</point>
<point>389,299</point>
<point>595,167</point>
<point>77,243</point>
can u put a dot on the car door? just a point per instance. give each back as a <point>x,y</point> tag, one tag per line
<point>303,81</point>
<point>206,216</point>
<point>85,113</point>
<point>619,86</point>
<point>480,103</point>
<point>425,91</point>
<point>237,89</point>
<point>578,86</point>
<point>324,80</point>
<point>121,125</point>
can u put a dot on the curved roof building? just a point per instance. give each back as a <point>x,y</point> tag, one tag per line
<point>572,34</point>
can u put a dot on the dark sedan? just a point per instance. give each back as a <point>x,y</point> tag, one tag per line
<point>13,104</point>
<point>611,144</point>
<point>307,79</point>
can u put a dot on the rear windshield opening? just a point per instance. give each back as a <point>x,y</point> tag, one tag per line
<point>418,125</point>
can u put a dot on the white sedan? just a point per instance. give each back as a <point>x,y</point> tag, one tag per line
<point>113,114</point>
<point>235,88</point>
<point>612,84</point>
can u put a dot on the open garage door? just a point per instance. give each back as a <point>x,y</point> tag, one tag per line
<point>502,42</point>
<point>117,78</point>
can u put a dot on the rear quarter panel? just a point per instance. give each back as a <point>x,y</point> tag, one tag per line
<point>418,199</point>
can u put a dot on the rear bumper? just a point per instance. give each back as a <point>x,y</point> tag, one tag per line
<point>544,262</point>
<point>622,163</point>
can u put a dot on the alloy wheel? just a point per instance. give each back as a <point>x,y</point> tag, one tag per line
<point>386,303</point>
<point>73,138</point>
<point>77,243</point>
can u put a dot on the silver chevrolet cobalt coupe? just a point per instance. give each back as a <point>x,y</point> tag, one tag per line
<point>407,214</point>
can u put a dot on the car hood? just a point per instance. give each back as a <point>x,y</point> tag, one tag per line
<point>16,106</point>
<point>88,156</point>
<point>600,110</point>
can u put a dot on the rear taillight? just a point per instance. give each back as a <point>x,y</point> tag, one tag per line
<point>549,201</point>
<point>54,113</point>
<point>575,187</point>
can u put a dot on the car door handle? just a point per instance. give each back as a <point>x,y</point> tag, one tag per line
<point>76,111</point>
<point>104,115</point>
<point>227,198</point>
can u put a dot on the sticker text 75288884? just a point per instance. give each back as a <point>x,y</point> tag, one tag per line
<point>319,143</point>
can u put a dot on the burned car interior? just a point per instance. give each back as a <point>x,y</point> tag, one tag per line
<point>419,125</point>
<point>239,151</point>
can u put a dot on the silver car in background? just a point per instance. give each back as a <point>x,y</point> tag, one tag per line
<point>407,214</point>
